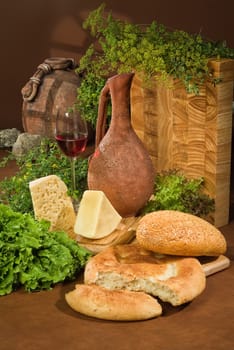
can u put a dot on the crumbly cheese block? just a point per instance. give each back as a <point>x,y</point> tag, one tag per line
<point>51,202</point>
<point>96,216</point>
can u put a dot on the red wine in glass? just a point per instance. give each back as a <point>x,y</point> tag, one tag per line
<point>71,145</point>
<point>71,134</point>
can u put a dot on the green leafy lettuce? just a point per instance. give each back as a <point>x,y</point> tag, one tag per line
<point>33,257</point>
<point>173,191</point>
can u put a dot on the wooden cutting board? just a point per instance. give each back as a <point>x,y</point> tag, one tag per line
<point>214,264</point>
<point>126,232</point>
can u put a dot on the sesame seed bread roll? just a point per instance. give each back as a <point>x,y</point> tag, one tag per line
<point>176,233</point>
<point>121,305</point>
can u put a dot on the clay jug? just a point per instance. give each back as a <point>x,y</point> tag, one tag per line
<point>120,165</point>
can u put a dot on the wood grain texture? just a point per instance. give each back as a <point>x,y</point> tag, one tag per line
<point>137,107</point>
<point>190,132</point>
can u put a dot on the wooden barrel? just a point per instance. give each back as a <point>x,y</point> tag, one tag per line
<point>52,88</point>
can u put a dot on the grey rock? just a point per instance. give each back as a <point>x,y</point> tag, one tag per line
<point>8,137</point>
<point>24,143</point>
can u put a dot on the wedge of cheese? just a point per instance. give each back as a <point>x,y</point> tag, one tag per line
<point>96,216</point>
<point>51,202</point>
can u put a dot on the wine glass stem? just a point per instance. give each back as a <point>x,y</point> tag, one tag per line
<point>73,173</point>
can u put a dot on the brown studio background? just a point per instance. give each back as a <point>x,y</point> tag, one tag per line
<point>31,31</point>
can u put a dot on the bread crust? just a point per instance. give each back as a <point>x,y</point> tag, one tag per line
<point>175,280</point>
<point>96,301</point>
<point>176,233</point>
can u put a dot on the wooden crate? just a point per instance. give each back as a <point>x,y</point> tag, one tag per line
<point>190,132</point>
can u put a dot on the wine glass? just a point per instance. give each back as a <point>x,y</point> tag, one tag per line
<point>71,134</point>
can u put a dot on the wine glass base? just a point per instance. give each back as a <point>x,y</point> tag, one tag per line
<point>76,204</point>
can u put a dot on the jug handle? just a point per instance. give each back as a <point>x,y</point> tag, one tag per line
<point>102,114</point>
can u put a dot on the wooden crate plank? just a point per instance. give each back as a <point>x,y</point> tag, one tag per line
<point>193,133</point>
<point>137,105</point>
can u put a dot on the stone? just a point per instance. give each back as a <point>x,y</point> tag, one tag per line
<point>24,143</point>
<point>8,137</point>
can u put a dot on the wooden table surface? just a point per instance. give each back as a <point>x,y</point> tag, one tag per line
<point>43,320</point>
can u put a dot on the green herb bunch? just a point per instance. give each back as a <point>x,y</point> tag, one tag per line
<point>41,161</point>
<point>150,50</point>
<point>173,191</point>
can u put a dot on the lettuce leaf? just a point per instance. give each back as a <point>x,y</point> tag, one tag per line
<point>33,257</point>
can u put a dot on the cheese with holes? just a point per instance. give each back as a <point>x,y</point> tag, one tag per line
<point>96,216</point>
<point>51,202</point>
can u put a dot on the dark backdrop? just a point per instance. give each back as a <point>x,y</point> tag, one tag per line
<point>31,31</point>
